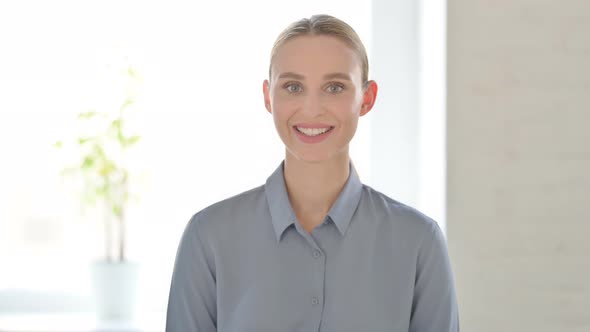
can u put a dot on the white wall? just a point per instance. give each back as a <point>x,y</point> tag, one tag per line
<point>394,63</point>
<point>519,163</point>
<point>407,59</point>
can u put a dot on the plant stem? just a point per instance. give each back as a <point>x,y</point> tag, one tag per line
<point>122,236</point>
<point>122,233</point>
<point>108,233</point>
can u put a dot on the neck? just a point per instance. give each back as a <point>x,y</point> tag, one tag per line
<point>314,187</point>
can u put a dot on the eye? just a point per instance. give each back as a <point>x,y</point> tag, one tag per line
<point>293,87</point>
<point>335,88</point>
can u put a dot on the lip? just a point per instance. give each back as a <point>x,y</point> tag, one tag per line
<point>312,139</point>
<point>313,125</point>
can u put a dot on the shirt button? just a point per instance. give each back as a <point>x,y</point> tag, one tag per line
<point>314,300</point>
<point>317,254</point>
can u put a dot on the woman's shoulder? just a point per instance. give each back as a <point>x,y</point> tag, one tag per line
<point>231,209</point>
<point>388,209</point>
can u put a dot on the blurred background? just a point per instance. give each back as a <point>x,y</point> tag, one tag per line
<point>482,122</point>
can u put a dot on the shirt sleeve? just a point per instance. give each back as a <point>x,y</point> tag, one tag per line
<point>192,303</point>
<point>434,307</point>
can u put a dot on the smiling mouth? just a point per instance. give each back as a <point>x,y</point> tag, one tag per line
<point>313,131</point>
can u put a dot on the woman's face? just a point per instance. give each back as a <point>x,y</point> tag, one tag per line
<point>316,96</point>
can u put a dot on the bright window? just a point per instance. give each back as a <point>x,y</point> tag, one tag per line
<point>199,111</point>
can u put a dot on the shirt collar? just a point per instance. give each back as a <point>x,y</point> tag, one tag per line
<point>282,213</point>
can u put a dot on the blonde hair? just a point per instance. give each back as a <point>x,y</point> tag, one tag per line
<point>324,25</point>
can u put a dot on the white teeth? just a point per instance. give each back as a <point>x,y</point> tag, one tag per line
<point>313,131</point>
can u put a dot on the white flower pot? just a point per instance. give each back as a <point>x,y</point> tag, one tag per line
<point>115,290</point>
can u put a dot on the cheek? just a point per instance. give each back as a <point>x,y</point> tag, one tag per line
<point>283,109</point>
<point>348,106</point>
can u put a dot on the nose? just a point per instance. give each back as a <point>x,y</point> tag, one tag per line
<point>313,105</point>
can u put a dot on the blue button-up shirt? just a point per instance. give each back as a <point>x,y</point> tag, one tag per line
<point>246,265</point>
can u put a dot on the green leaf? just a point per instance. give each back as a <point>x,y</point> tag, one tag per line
<point>108,168</point>
<point>121,138</point>
<point>98,152</point>
<point>116,124</point>
<point>98,192</point>
<point>117,210</point>
<point>58,144</point>
<point>83,140</point>
<point>87,163</point>
<point>87,115</point>
<point>133,139</point>
<point>126,104</point>
<point>131,72</point>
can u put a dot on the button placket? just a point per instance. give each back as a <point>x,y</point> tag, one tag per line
<point>317,261</point>
<point>319,264</point>
<point>317,254</point>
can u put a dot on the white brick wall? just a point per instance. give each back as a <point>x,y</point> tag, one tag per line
<point>519,163</point>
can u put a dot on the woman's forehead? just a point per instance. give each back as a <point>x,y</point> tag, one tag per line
<point>315,56</point>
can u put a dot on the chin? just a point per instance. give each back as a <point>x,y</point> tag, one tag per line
<point>312,157</point>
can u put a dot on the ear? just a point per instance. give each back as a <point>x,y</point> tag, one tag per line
<point>369,97</point>
<point>266,92</point>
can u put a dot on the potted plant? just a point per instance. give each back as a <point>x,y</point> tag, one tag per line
<point>102,147</point>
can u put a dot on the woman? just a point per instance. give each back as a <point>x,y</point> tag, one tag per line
<point>313,249</point>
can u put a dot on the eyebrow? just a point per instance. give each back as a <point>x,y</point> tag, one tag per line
<point>326,77</point>
<point>341,76</point>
